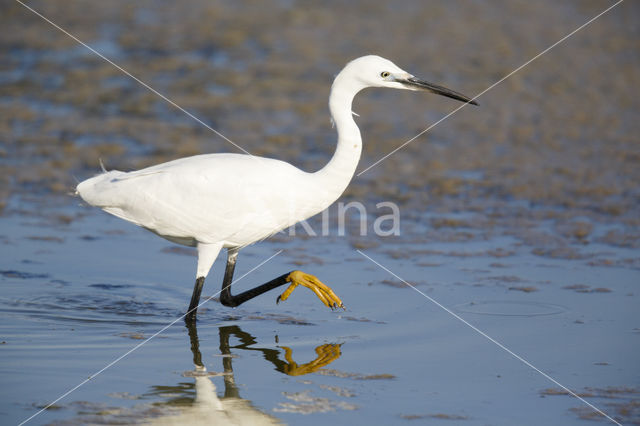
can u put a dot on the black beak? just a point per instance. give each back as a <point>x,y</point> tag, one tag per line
<point>417,84</point>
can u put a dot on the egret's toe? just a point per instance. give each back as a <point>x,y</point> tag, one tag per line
<point>322,291</point>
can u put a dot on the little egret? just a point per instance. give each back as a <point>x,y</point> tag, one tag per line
<point>216,201</point>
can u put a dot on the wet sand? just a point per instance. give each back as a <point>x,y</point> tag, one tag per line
<point>521,216</point>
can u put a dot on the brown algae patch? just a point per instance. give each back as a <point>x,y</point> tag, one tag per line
<point>47,238</point>
<point>354,376</point>
<point>280,319</point>
<point>437,416</point>
<point>506,279</point>
<point>339,391</point>
<point>524,289</point>
<point>22,275</point>
<point>629,239</point>
<point>133,335</point>
<point>630,262</point>
<point>583,288</point>
<point>566,252</point>
<point>577,230</point>
<point>305,403</point>
<point>350,318</point>
<point>394,283</point>
<point>621,403</point>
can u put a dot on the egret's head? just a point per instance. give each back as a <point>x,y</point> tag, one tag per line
<point>374,71</point>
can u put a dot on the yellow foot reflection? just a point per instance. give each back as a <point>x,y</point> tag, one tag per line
<point>327,353</point>
<point>324,293</point>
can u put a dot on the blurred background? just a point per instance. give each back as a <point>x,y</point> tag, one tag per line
<point>560,133</point>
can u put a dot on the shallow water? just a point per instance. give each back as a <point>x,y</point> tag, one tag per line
<point>519,219</point>
<point>78,296</point>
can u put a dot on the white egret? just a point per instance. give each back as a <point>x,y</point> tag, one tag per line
<point>216,201</point>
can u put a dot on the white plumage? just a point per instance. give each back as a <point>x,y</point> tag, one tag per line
<point>217,201</point>
<point>207,199</point>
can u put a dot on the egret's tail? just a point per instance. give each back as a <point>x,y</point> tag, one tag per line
<point>100,190</point>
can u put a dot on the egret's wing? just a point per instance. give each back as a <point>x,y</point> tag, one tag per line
<point>211,198</point>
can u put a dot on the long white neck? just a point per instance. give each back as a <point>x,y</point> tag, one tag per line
<point>333,178</point>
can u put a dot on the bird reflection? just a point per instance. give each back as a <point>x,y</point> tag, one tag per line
<point>231,408</point>
<point>325,354</point>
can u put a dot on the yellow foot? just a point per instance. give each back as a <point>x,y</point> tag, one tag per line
<point>326,354</point>
<point>324,293</point>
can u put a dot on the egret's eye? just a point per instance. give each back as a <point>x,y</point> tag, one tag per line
<point>385,74</point>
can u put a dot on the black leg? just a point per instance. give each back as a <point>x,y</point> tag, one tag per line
<point>195,344</point>
<point>296,278</point>
<point>195,300</point>
<point>227,299</point>
<point>225,294</point>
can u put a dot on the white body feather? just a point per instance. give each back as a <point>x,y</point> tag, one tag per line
<point>208,199</point>
<point>231,200</point>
